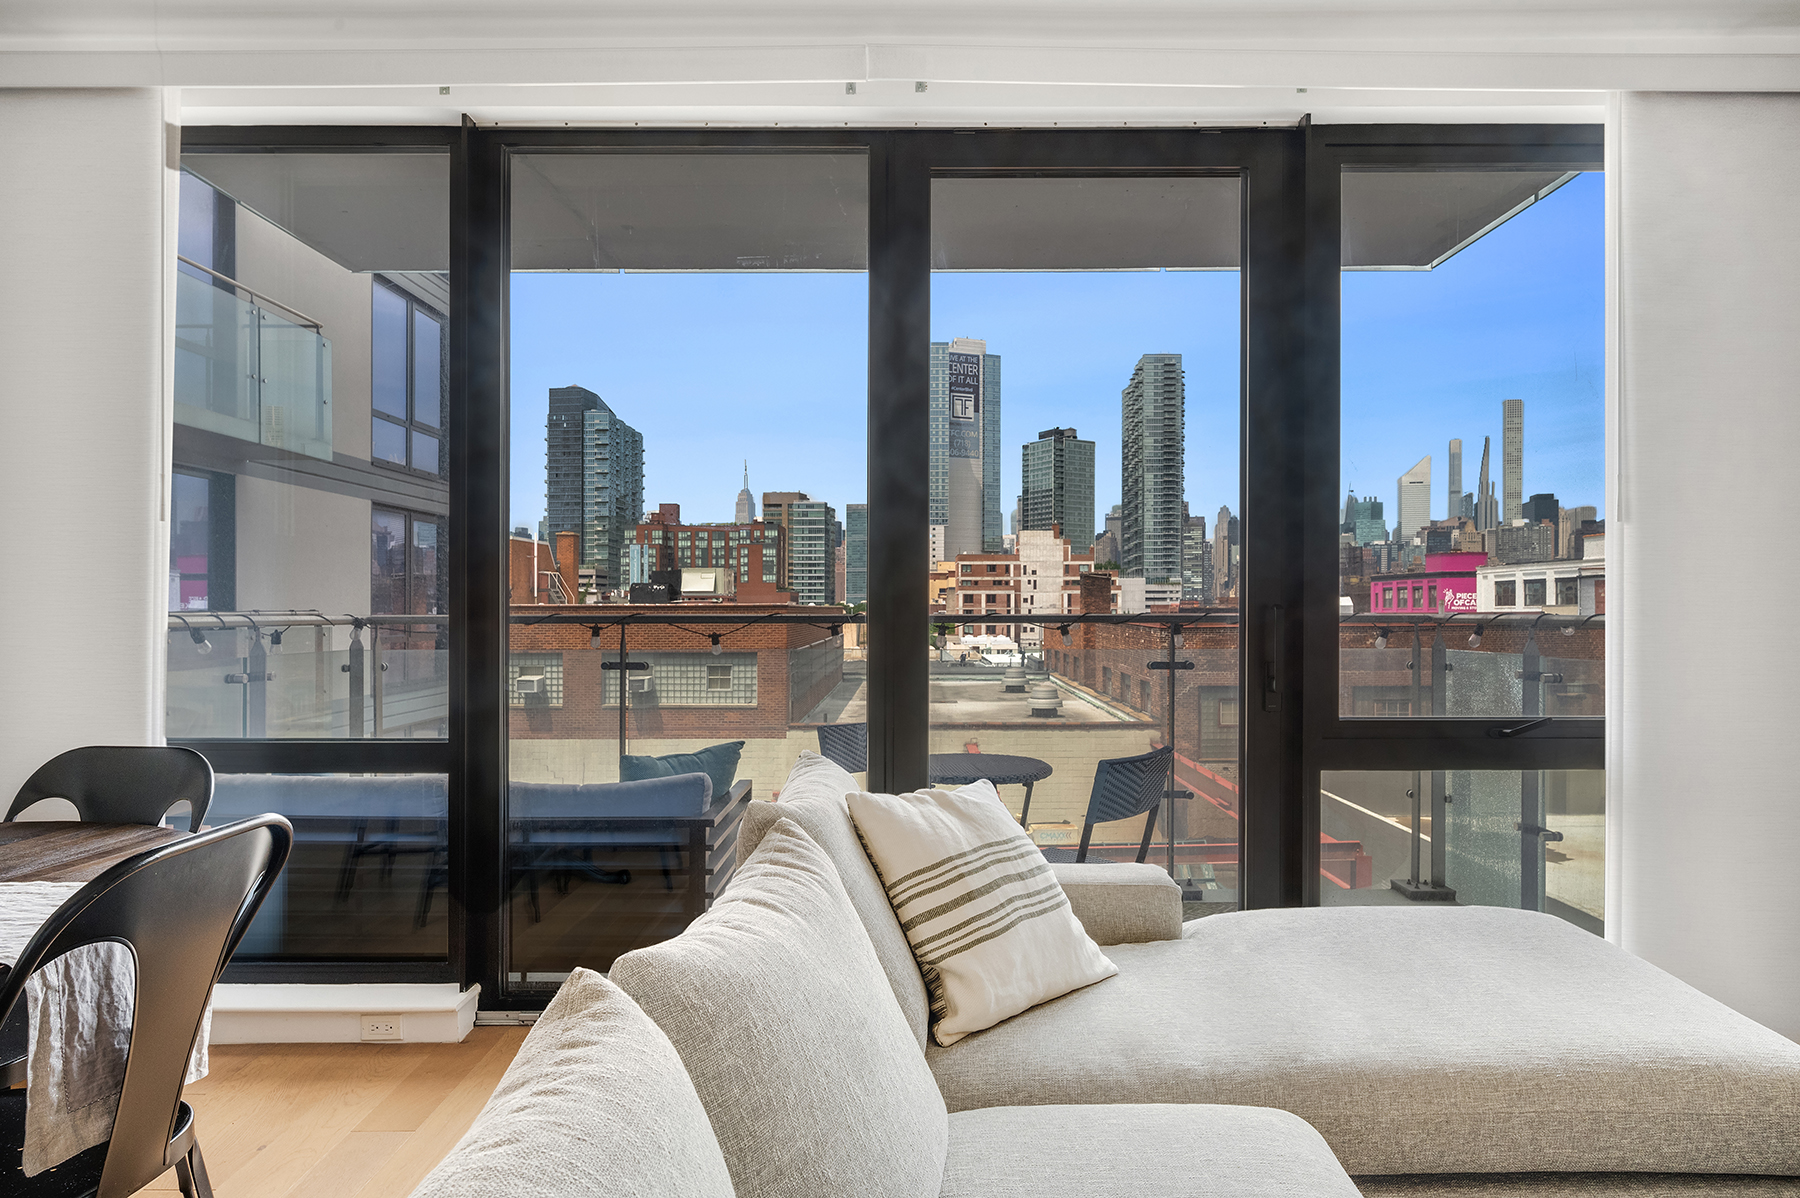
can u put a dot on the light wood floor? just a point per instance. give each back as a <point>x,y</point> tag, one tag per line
<point>339,1120</point>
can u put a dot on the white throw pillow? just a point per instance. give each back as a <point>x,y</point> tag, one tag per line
<point>808,1071</point>
<point>596,1102</point>
<point>988,923</point>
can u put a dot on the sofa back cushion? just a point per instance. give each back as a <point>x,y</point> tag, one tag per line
<point>596,1102</point>
<point>812,1080</point>
<point>813,797</point>
<point>718,762</point>
<point>667,796</point>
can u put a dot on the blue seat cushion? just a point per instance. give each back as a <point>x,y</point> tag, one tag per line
<point>718,762</point>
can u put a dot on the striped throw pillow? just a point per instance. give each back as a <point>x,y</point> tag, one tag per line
<point>987,921</point>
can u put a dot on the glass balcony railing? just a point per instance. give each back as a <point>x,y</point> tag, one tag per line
<point>260,675</point>
<point>249,369</point>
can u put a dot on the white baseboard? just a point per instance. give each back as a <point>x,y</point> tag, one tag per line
<point>309,1014</point>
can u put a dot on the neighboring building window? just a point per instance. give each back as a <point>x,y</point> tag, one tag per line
<point>718,678</point>
<point>1392,707</point>
<point>1228,713</point>
<point>202,542</point>
<point>1431,596</point>
<point>406,353</point>
<point>1418,596</point>
<point>534,679</point>
<point>1534,592</point>
<point>1568,592</point>
<point>1144,695</point>
<point>1402,591</point>
<point>1506,594</point>
<point>404,578</point>
<point>1106,680</point>
<point>1387,597</point>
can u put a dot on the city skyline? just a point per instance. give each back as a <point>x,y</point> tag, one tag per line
<point>1427,357</point>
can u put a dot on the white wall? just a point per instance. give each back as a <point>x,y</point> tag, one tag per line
<point>86,241</point>
<point>1702,701</point>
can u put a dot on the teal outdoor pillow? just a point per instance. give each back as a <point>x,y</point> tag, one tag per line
<point>718,762</point>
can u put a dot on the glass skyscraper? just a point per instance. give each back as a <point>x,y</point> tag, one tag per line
<point>594,481</point>
<point>1154,459</point>
<point>1057,486</point>
<point>856,553</point>
<point>965,446</point>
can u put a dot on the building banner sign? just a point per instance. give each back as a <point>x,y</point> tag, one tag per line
<point>965,402</point>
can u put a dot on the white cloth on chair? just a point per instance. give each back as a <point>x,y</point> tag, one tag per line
<point>80,1008</point>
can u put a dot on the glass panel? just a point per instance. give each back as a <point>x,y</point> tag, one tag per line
<point>425,453</point>
<point>388,443</point>
<point>217,343</point>
<point>1085,395</point>
<point>369,870</point>
<point>1534,839</point>
<point>295,387</point>
<point>1473,315</point>
<point>317,623</point>
<point>190,540</point>
<point>387,353</point>
<point>625,263</point>
<point>428,350</point>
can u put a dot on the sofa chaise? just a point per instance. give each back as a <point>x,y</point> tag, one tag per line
<point>1495,1051</point>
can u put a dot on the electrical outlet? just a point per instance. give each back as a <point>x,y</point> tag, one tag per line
<point>381,1027</point>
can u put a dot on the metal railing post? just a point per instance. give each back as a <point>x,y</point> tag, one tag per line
<point>356,668</point>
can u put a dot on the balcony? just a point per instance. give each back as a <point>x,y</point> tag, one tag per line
<point>248,368</point>
<point>259,675</point>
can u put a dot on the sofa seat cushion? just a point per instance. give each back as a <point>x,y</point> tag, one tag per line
<point>596,1102</point>
<point>1142,1151</point>
<point>1456,1040</point>
<point>813,797</point>
<point>784,1020</point>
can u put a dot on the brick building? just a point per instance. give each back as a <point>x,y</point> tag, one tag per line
<point>751,552</point>
<point>538,574</point>
<point>763,678</point>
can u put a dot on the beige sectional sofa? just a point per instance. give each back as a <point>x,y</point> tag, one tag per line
<point>779,1047</point>
<point>761,1054</point>
<point>1423,1043</point>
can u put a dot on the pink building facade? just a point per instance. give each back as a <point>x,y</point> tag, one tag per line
<point>1444,587</point>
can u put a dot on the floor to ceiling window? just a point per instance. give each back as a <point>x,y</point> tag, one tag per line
<point>671,454</point>
<point>308,618</point>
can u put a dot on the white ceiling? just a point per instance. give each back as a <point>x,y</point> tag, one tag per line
<point>1008,62</point>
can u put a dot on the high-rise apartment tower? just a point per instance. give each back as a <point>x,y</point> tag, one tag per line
<point>594,480</point>
<point>1154,468</point>
<point>1454,507</point>
<point>1513,475</point>
<point>1057,481</point>
<point>965,446</point>
<point>856,553</point>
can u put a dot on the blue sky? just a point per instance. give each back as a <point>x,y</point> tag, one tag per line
<point>716,368</point>
<point>1429,355</point>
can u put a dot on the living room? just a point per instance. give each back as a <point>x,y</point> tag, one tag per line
<point>720,406</point>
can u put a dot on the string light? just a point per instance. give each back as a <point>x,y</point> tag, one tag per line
<point>1381,639</point>
<point>1475,637</point>
<point>594,637</point>
<point>716,648</point>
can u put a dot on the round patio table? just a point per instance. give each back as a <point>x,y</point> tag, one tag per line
<point>960,769</point>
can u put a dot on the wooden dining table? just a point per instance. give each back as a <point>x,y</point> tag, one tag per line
<point>69,851</point>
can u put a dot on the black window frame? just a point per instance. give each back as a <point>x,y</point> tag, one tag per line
<point>1289,728</point>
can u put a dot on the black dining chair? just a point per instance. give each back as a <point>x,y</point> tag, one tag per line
<point>846,744</point>
<point>180,910</point>
<point>122,784</point>
<point>1123,787</point>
